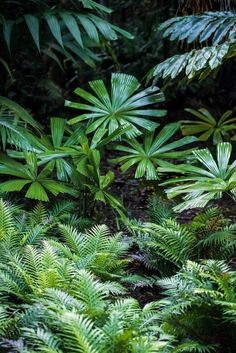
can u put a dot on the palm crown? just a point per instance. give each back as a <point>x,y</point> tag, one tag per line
<point>122,108</point>
<point>153,149</point>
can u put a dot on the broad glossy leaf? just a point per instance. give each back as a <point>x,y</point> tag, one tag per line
<point>13,185</point>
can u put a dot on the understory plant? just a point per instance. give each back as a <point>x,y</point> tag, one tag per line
<point>73,30</point>
<point>59,287</point>
<point>123,107</point>
<point>68,159</point>
<point>208,126</point>
<point>216,29</point>
<point>199,303</point>
<point>151,150</point>
<point>64,161</point>
<point>165,244</point>
<point>200,184</point>
<point>68,285</point>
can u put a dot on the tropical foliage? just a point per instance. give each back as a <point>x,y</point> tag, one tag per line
<point>165,281</point>
<point>65,151</point>
<point>53,28</point>
<point>218,28</point>
<point>200,184</point>
<point>205,292</point>
<point>152,150</point>
<point>68,308</point>
<point>208,126</point>
<point>166,245</point>
<point>122,108</point>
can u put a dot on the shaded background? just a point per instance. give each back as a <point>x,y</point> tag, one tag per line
<point>41,86</point>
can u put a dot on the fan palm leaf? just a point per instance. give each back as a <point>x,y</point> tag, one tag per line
<point>123,107</point>
<point>202,184</point>
<point>38,181</point>
<point>148,154</point>
<point>208,126</point>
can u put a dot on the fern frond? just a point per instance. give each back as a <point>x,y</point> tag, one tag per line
<point>6,220</point>
<point>89,291</point>
<point>159,210</point>
<point>39,214</point>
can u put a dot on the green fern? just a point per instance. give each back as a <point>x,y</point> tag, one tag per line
<point>192,309</point>
<point>165,244</point>
<point>95,250</point>
<point>84,324</point>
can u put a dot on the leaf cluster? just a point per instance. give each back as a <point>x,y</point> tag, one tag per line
<point>166,244</point>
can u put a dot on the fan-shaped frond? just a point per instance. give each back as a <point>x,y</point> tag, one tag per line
<point>122,108</point>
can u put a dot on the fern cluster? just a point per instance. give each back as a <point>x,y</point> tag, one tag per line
<point>59,286</point>
<point>63,288</point>
<point>199,304</point>
<point>198,308</point>
<point>166,244</point>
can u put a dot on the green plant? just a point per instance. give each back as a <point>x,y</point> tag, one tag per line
<point>166,245</point>
<point>122,108</point>
<point>88,165</point>
<point>201,184</point>
<point>13,120</point>
<point>40,181</point>
<point>50,296</point>
<point>95,250</point>
<point>208,126</point>
<point>60,147</point>
<point>67,151</point>
<point>45,249</point>
<point>56,29</point>
<point>151,151</point>
<point>196,307</point>
<point>88,322</point>
<point>216,27</point>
